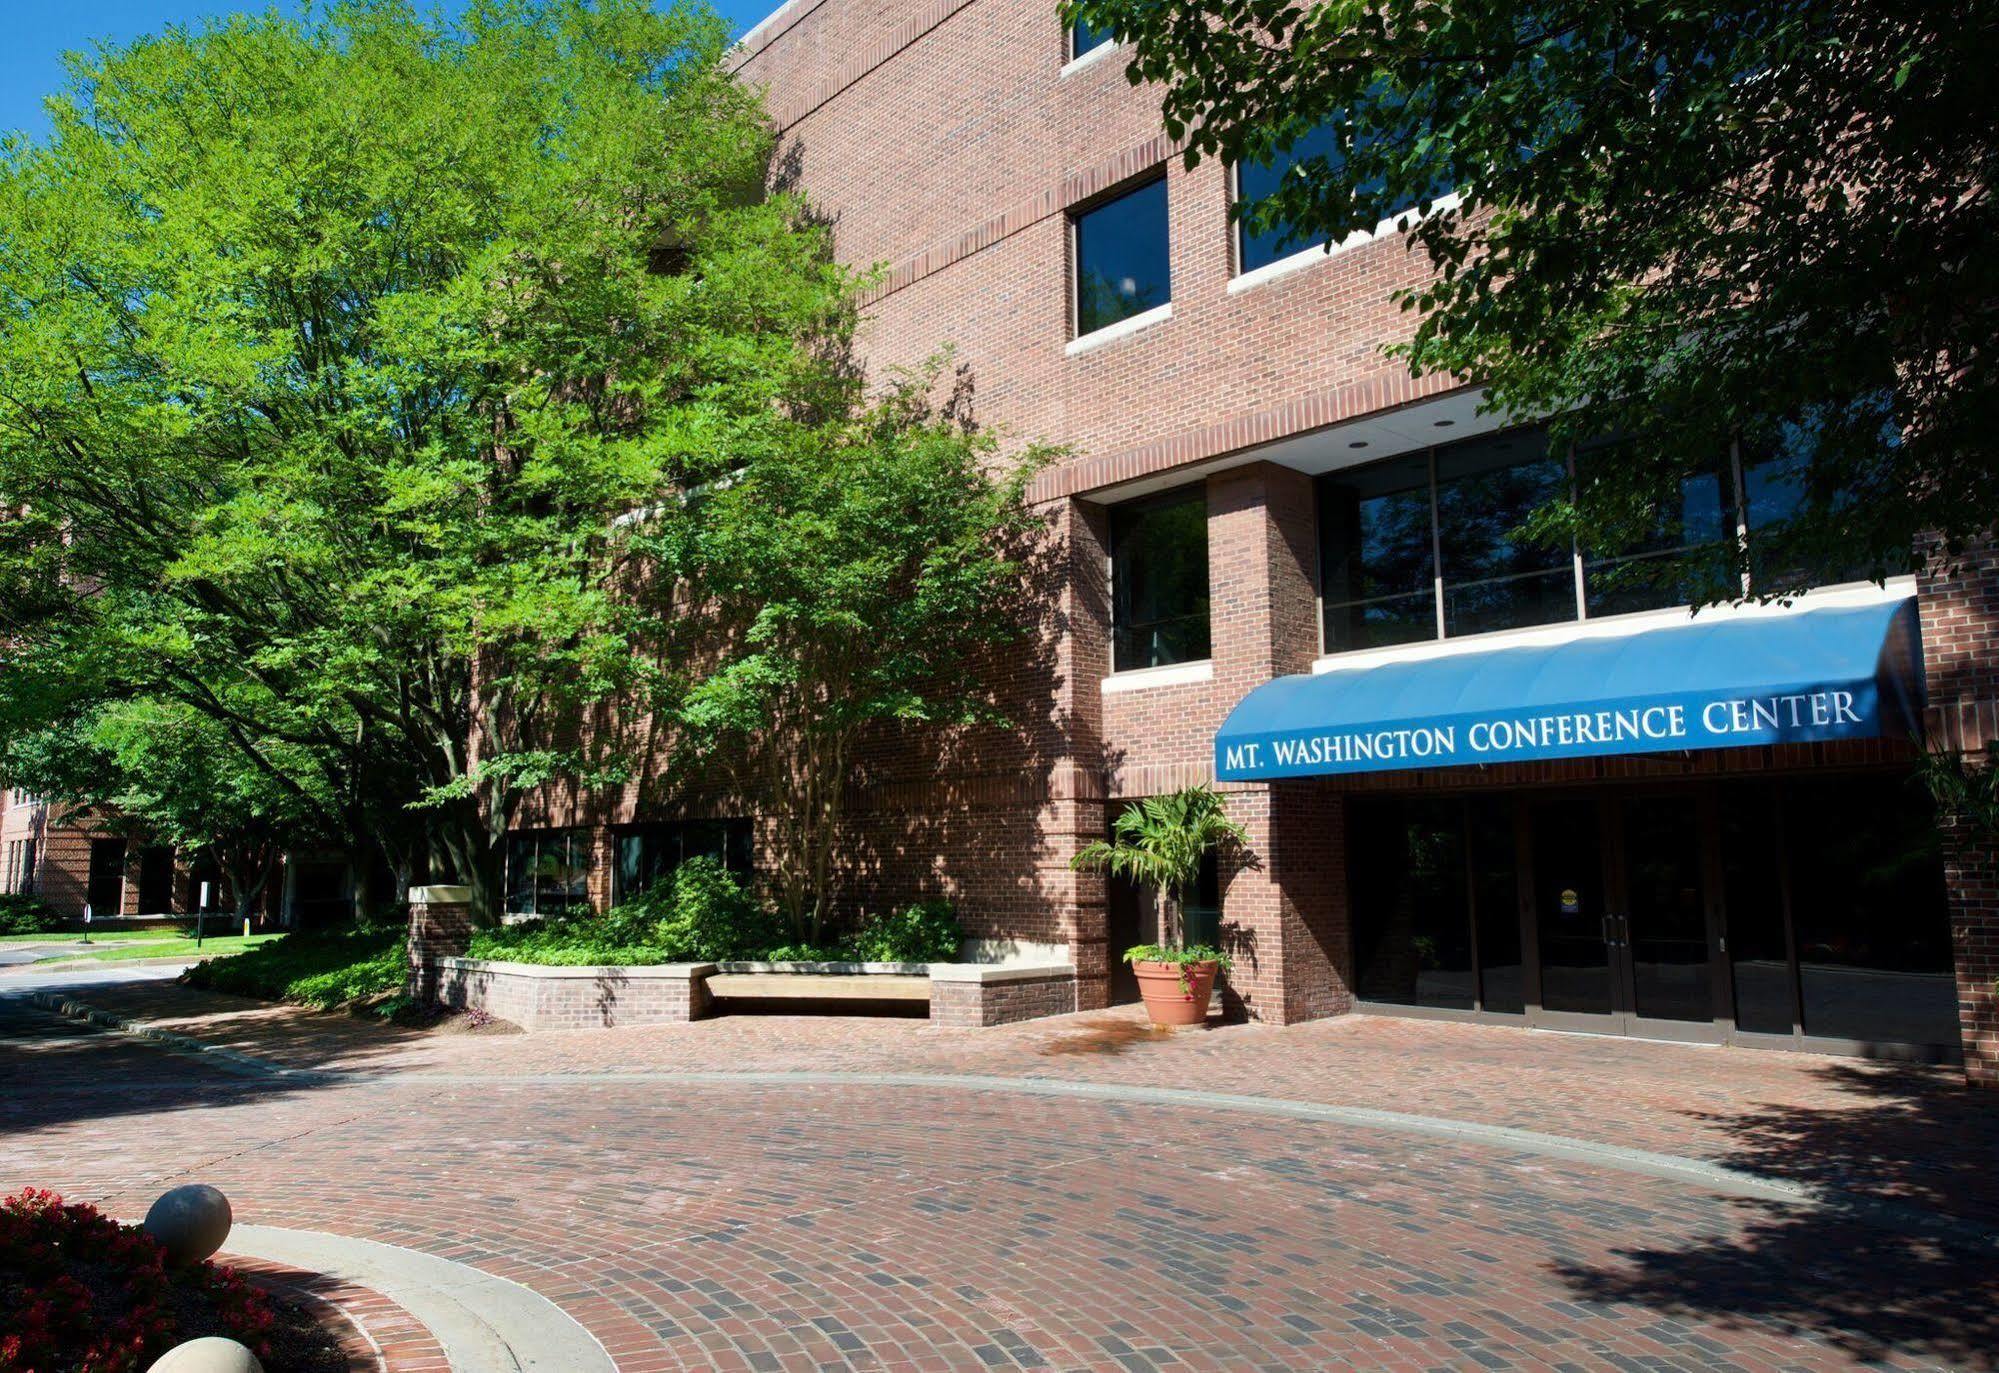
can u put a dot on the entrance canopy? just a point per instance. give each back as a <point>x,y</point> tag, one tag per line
<point>1838,672</point>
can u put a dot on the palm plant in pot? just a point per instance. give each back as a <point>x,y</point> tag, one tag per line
<point>1160,841</point>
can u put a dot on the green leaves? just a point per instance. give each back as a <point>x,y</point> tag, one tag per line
<point>333,349</point>
<point>1679,223</point>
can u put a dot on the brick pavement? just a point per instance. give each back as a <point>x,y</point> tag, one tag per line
<point>763,1226</point>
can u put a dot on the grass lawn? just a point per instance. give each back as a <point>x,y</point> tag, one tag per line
<point>174,947</point>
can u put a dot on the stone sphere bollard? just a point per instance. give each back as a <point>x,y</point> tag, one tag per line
<point>190,1223</point>
<point>209,1354</point>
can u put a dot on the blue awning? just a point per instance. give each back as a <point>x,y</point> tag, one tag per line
<point>1837,672</point>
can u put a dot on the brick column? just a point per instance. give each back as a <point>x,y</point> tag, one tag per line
<point>1076,813</point>
<point>1959,610</point>
<point>440,924</point>
<point>1284,912</point>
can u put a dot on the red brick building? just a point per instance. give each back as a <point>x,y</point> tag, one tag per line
<point>1253,492</point>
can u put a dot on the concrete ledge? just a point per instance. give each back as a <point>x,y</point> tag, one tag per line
<point>538,996</point>
<point>440,896</point>
<point>999,972</point>
<point>803,986</point>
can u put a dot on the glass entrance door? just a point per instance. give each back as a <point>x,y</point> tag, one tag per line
<point>1621,915</point>
<point>1663,928</point>
<point>1572,921</point>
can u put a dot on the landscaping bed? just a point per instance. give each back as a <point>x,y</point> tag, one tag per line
<point>80,1293</point>
<point>321,969</point>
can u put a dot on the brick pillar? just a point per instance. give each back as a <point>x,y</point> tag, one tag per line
<point>1971,870</point>
<point>1959,610</point>
<point>1076,813</point>
<point>1284,911</point>
<point>440,924</point>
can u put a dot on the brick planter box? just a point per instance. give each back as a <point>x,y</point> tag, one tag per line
<point>536,997</point>
<point>539,997</point>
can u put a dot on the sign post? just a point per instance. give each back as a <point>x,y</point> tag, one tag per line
<point>86,922</point>
<point>201,916</point>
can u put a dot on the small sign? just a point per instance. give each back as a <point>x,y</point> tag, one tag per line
<point>1572,904</point>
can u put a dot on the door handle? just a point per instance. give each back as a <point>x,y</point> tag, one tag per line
<point>1609,930</point>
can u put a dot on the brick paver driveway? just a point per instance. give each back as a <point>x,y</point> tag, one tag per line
<point>885,1219</point>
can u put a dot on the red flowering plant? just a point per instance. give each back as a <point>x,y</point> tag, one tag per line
<point>80,1293</point>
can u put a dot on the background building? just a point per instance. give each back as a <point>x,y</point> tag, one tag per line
<point>1253,491</point>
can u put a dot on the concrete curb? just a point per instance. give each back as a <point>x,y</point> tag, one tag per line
<point>1701,1173</point>
<point>229,1060</point>
<point>485,1323</point>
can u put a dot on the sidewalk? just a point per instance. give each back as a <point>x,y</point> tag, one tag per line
<point>1913,1134</point>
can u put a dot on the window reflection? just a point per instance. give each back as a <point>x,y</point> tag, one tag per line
<point>649,853</point>
<point>1412,931</point>
<point>1121,258</point>
<point>1653,574</point>
<point>1159,581</point>
<point>1494,577</point>
<point>1377,555</point>
<point>548,872</point>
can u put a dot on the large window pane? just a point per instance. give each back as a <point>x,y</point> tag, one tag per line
<point>1785,472</point>
<point>1412,931</point>
<point>1083,38</point>
<point>1159,581</point>
<point>1494,578</point>
<point>1867,896</point>
<point>1121,258</point>
<point>1653,574</point>
<point>548,873</point>
<point>647,854</point>
<point>1492,852</point>
<point>1753,895</point>
<point>1377,566</point>
<point>1257,180</point>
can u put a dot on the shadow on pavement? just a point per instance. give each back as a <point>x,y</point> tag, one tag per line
<point>1827,1271</point>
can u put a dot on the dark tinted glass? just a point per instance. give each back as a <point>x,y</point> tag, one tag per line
<point>1159,581</point>
<point>1376,558</point>
<point>1493,577</point>
<point>1700,516</point>
<point>1752,890</point>
<point>1491,846</point>
<point>1665,911</point>
<point>1412,931</point>
<point>548,873</point>
<point>1121,258</point>
<point>1256,180</point>
<point>1083,38</point>
<point>649,854</point>
<point>1569,908</point>
<point>1777,482</point>
<point>1867,898</point>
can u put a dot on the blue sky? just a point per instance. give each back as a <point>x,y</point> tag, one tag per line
<point>38,31</point>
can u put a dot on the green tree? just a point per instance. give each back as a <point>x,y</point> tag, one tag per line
<point>857,572</point>
<point>1679,224</point>
<point>1161,841</point>
<point>331,351</point>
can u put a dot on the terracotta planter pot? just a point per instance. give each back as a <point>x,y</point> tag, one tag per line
<point>1165,1002</point>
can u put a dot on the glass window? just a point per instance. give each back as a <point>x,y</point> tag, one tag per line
<point>1121,259</point>
<point>1159,581</point>
<point>1871,916</point>
<point>649,853</point>
<point>1779,479</point>
<point>548,872</point>
<point>1753,897</point>
<point>1083,38</point>
<point>105,890</point>
<point>1376,555</point>
<point>1495,578</point>
<point>1260,179</point>
<point>1492,848</point>
<point>1700,515</point>
<point>1412,932</point>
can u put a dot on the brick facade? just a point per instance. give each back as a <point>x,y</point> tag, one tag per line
<point>968,218</point>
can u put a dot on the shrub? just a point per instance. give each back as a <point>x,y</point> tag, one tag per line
<point>80,1293</point>
<point>927,932</point>
<point>21,913</point>
<point>321,970</point>
<point>702,915</point>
